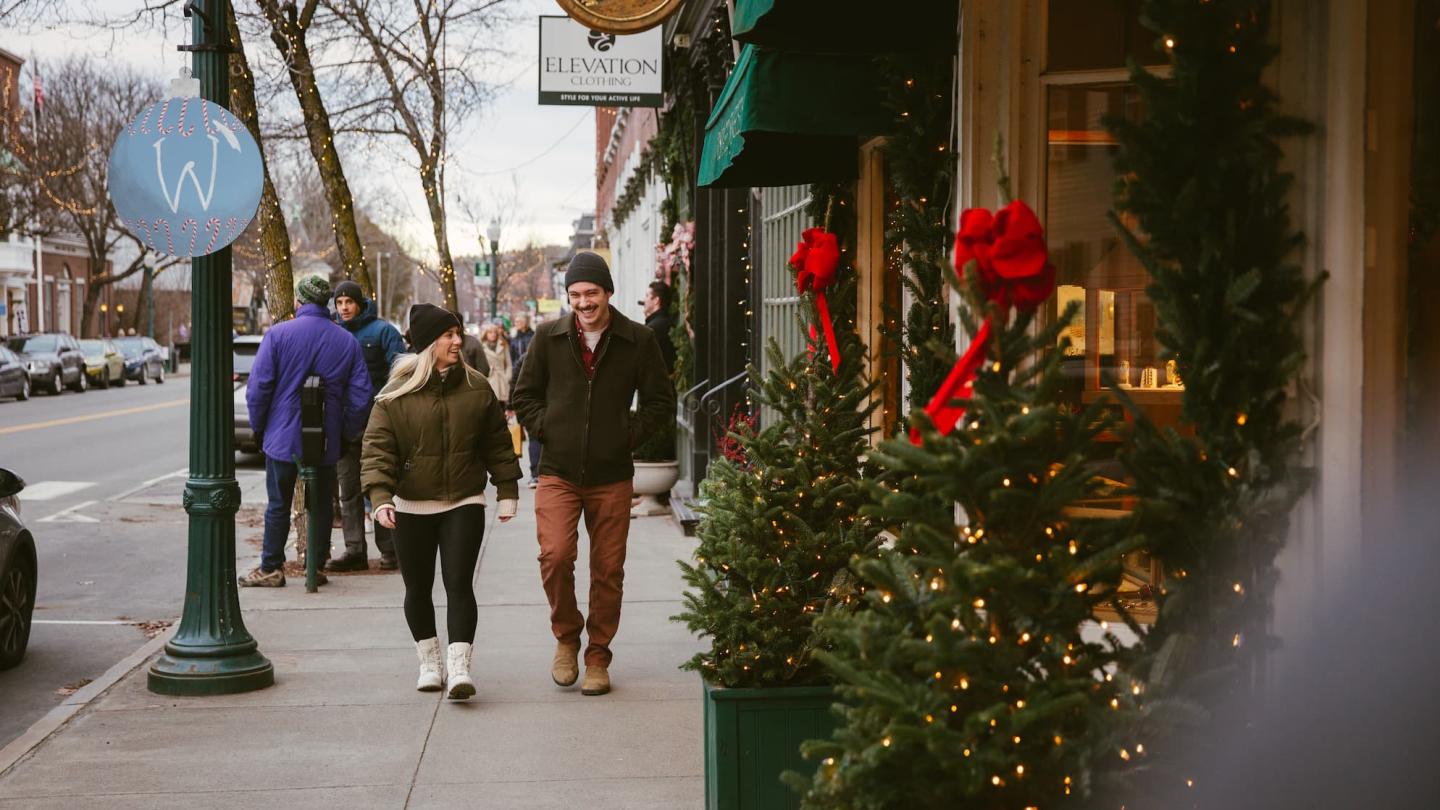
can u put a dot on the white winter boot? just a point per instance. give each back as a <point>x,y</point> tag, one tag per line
<point>428,651</point>
<point>457,667</point>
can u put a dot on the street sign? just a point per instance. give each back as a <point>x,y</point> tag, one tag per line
<point>587,68</point>
<point>185,177</point>
<point>482,269</point>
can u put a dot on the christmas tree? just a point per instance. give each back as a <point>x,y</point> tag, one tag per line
<point>967,678</point>
<point>1202,179</point>
<point>779,523</point>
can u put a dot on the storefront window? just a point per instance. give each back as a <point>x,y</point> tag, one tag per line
<point>1114,335</point>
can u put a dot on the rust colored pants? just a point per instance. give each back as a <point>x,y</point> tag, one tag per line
<point>559,505</point>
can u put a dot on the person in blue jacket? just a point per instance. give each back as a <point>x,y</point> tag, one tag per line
<point>380,343</point>
<point>292,350</point>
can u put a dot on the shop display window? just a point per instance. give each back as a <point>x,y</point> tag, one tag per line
<point>1114,336</point>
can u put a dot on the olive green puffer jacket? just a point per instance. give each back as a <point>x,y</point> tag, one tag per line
<point>439,443</point>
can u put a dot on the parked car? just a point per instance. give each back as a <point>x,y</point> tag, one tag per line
<point>14,376</point>
<point>246,347</point>
<point>245,439</point>
<point>54,361</point>
<point>144,359</point>
<point>104,362</point>
<point>17,573</point>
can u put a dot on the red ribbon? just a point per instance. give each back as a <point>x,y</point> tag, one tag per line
<point>959,384</point>
<point>1014,267</point>
<point>816,261</point>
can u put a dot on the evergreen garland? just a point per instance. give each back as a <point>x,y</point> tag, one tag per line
<point>1201,178</point>
<point>779,523</point>
<point>920,171</point>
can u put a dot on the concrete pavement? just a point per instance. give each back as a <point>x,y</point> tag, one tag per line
<point>344,727</point>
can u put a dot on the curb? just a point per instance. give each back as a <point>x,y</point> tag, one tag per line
<point>21,746</point>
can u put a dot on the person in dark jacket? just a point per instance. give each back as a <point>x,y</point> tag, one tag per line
<point>519,345</point>
<point>474,353</point>
<point>436,435</point>
<point>310,343</point>
<point>576,386</point>
<point>657,317</point>
<point>380,343</point>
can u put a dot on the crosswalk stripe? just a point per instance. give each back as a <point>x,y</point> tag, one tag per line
<point>71,515</point>
<point>50,490</point>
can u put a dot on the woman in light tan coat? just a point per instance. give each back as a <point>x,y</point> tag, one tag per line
<point>497,354</point>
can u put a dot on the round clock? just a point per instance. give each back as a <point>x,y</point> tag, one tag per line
<point>619,16</point>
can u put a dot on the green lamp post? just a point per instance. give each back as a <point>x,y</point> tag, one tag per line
<point>494,233</point>
<point>211,653</point>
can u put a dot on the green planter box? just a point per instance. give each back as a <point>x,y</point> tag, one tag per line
<point>754,735</point>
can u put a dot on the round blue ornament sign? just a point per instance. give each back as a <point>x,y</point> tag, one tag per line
<point>185,177</point>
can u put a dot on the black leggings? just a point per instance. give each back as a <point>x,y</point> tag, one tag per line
<point>456,535</point>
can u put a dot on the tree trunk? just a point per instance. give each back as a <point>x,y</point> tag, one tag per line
<point>430,182</point>
<point>87,312</point>
<point>274,235</point>
<point>289,36</point>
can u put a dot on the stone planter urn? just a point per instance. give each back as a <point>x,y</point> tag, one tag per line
<point>653,478</point>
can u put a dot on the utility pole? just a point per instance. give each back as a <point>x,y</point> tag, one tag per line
<point>211,653</point>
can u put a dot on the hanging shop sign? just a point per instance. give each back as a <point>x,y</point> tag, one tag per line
<point>590,68</point>
<point>620,16</point>
<point>185,177</point>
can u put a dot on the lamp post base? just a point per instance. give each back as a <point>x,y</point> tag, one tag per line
<point>186,676</point>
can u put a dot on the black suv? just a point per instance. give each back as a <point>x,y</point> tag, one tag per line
<point>53,359</point>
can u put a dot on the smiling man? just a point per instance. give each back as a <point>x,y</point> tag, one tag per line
<point>574,394</point>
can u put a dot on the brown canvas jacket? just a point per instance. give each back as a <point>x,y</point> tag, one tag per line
<point>585,426</point>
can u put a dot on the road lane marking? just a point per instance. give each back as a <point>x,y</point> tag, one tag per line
<point>180,473</point>
<point>70,515</point>
<point>104,622</point>
<point>73,420</point>
<point>50,490</point>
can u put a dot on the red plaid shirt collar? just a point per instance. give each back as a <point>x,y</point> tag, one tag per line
<point>586,356</point>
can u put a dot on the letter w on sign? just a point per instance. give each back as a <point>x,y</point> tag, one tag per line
<point>206,194</point>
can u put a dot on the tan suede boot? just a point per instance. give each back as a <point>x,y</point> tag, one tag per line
<point>597,680</point>
<point>565,669</point>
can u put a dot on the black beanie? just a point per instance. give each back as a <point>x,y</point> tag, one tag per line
<point>427,323</point>
<point>589,267</point>
<point>349,289</point>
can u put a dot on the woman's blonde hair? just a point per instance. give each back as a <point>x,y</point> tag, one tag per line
<point>412,371</point>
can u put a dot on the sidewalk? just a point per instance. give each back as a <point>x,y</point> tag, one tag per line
<point>344,727</point>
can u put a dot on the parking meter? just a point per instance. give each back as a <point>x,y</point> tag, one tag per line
<point>312,422</point>
<point>312,455</point>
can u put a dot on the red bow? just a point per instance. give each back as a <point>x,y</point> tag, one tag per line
<point>816,261</point>
<point>1009,252</point>
<point>1010,257</point>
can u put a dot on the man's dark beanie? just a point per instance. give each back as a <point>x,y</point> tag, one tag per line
<point>351,290</point>
<point>427,323</point>
<point>589,267</point>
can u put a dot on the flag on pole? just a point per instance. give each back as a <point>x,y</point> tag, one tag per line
<point>39,91</point>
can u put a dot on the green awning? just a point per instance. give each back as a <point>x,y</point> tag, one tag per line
<point>847,26</point>
<point>789,118</point>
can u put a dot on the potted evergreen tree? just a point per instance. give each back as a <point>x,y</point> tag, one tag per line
<point>779,527</point>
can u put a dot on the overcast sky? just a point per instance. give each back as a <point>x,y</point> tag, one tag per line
<point>549,151</point>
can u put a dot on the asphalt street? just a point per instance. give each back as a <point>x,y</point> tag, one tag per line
<point>104,472</point>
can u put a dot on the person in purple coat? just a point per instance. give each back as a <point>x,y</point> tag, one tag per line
<point>309,344</point>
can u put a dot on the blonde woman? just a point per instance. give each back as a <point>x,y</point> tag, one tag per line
<point>436,434</point>
<point>497,354</point>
